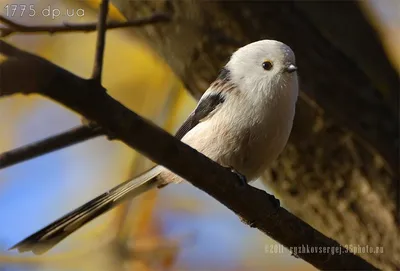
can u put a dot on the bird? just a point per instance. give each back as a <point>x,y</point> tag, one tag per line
<point>242,121</point>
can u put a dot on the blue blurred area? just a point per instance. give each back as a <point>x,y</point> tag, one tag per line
<point>35,192</point>
<point>29,188</point>
<point>218,233</point>
<point>38,191</point>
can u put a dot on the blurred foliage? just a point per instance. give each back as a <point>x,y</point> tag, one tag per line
<point>146,227</point>
<point>384,17</point>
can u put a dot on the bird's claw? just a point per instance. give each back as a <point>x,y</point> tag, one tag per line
<point>275,202</point>
<point>242,178</point>
<point>251,223</point>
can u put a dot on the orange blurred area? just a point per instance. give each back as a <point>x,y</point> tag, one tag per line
<point>179,228</point>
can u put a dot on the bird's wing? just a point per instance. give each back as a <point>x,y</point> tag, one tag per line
<point>205,107</point>
<point>208,104</point>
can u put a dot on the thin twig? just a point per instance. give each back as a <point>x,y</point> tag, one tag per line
<point>12,27</point>
<point>71,137</point>
<point>220,183</point>
<point>9,22</point>
<point>101,42</point>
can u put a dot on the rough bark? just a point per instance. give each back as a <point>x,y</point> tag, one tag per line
<point>339,171</point>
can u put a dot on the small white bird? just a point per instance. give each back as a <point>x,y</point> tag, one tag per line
<point>242,121</point>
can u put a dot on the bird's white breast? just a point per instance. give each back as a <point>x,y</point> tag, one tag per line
<point>243,134</point>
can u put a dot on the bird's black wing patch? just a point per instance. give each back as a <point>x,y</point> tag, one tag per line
<point>205,106</point>
<point>224,75</point>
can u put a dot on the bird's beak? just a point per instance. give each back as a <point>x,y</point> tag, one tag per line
<point>291,68</point>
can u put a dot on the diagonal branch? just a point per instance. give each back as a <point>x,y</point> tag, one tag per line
<point>12,27</point>
<point>50,144</point>
<point>256,207</point>
<point>101,42</point>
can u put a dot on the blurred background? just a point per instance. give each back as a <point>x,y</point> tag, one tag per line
<point>178,228</point>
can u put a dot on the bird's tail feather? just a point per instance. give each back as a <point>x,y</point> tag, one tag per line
<point>46,238</point>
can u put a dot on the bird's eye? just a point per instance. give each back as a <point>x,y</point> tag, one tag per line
<point>267,65</point>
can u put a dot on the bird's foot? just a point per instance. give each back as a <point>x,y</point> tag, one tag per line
<point>275,202</point>
<point>242,178</point>
<point>251,223</point>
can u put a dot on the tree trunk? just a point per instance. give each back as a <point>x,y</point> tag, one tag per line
<point>339,171</point>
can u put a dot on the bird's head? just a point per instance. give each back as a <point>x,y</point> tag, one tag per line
<point>266,67</point>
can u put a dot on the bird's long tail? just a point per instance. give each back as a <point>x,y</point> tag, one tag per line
<point>46,238</point>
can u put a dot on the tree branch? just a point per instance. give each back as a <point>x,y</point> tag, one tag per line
<point>50,144</point>
<point>254,206</point>
<point>12,27</point>
<point>101,42</point>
